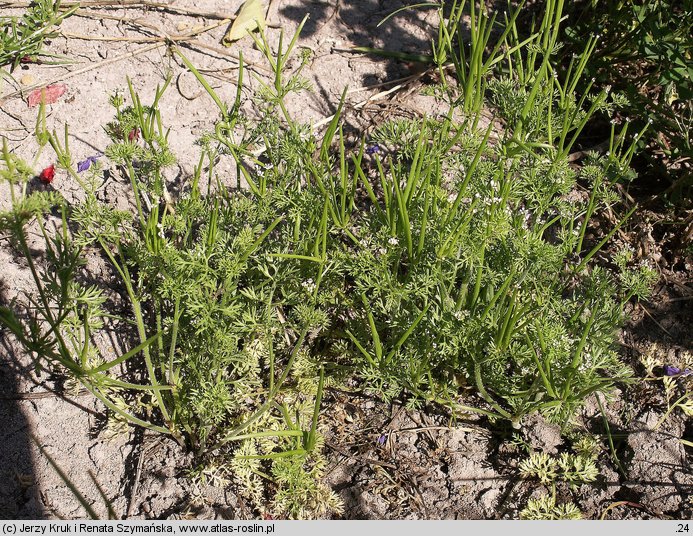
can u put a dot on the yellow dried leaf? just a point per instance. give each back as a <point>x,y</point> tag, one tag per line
<point>250,18</point>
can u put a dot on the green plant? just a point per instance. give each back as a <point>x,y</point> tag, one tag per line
<point>472,265</point>
<point>546,508</point>
<point>215,356</point>
<point>571,468</point>
<point>22,38</point>
<point>649,43</point>
<point>431,263</point>
<point>675,380</point>
<point>644,50</point>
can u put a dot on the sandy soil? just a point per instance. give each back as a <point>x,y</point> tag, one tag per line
<point>427,467</point>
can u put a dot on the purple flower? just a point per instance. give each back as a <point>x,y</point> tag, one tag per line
<point>86,164</point>
<point>373,149</point>
<point>382,439</point>
<point>671,370</point>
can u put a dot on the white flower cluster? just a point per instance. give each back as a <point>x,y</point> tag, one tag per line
<point>309,285</point>
<point>261,168</point>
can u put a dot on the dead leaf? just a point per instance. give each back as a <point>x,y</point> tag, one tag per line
<point>48,95</point>
<point>251,17</point>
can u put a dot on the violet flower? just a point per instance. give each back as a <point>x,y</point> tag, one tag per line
<point>671,370</point>
<point>373,149</point>
<point>87,163</point>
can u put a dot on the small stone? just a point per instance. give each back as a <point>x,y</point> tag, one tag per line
<point>489,499</point>
<point>27,79</point>
<point>182,26</point>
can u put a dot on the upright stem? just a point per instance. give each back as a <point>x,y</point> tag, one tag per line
<point>141,329</point>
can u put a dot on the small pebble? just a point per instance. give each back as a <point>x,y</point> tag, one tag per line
<point>182,26</point>
<point>27,79</point>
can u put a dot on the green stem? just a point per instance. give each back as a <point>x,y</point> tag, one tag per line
<point>141,329</point>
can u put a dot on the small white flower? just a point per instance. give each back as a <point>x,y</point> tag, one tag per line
<point>460,315</point>
<point>393,241</point>
<point>309,285</point>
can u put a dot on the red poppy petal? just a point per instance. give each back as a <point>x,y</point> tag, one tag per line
<point>47,175</point>
<point>48,94</point>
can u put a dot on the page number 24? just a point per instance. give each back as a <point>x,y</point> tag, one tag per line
<point>682,527</point>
